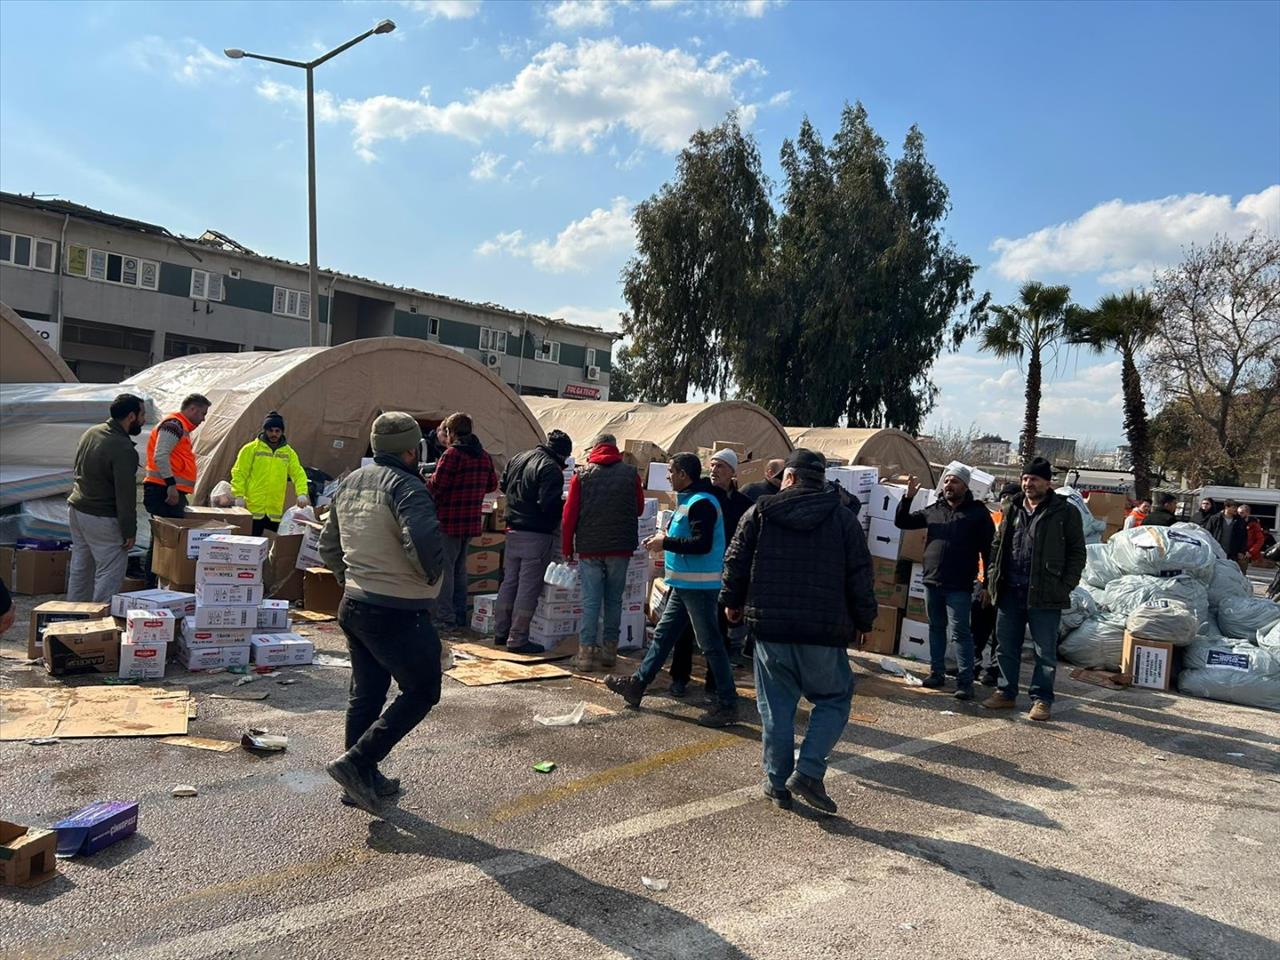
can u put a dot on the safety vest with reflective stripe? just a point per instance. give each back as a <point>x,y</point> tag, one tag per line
<point>695,571</point>
<point>182,461</point>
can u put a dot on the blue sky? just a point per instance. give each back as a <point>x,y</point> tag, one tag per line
<point>492,151</point>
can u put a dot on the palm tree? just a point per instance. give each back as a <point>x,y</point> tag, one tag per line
<point>1124,323</point>
<point>1030,327</point>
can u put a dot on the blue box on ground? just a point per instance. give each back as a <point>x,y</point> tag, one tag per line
<point>96,826</point>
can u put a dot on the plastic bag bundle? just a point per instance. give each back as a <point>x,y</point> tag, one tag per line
<point>289,522</point>
<point>222,495</point>
<point>1227,581</point>
<point>1161,552</point>
<point>1093,528</point>
<point>1099,570</point>
<point>1200,533</point>
<point>1247,616</point>
<point>1083,606</point>
<point>1270,639</point>
<point>1169,621</point>
<point>1242,673</point>
<point>1099,594</point>
<point>1127,593</point>
<point>1097,643</point>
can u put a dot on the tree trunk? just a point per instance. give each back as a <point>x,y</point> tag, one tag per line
<point>1031,422</point>
<point>1135,427</point>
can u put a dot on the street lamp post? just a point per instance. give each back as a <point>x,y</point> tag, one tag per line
<point>383,26</point>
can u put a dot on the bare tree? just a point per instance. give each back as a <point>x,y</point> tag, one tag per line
<point>1217,353</point>
<point>950,442</point>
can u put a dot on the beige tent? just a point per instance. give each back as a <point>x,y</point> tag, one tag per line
<point>330,396</point>
<point>675,427</point>
<point>25,357</point>
<point>893,451</point>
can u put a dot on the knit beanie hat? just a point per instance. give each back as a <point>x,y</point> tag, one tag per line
<point>727,456</point>
<point>273,419</point>
<point>395,433</point>
<point>1039,467</point>
<point>559,443</point>
<point>958,470</point>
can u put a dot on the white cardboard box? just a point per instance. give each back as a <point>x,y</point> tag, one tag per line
<point>281,649</point>
<point>223,548</point>
<point>227,573</point>
<point>179,604</point>
<point>558,611</point>
<point>631,631</point>
<point>915,587</point>
<point>552,594</point>
<point>232,617</point>
<point>545,627</point>
<point>213,658</point>
<point>309,552</point>
<point>659,479</point>
<point>650,509</point>
<point>485,604</point>
<point>197,536</point>
<point>913,640</point>
<point>485,623</point>
<point>149,626</point>
<point>273,616</point>
<point>883,539</point>
<point>884,501</point>
<point>231,594</point>
<point>194,636</point>
<point>142,661</point>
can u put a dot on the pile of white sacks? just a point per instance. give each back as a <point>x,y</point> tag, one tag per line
<point>1232,638</point>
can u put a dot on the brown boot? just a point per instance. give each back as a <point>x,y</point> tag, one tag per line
<point>587,660</point>
<point>998,701</point>
<point>608,655</point>
<point>1039,711</point>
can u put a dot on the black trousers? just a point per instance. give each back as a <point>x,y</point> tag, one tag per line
<point>982,623</point>
<point>387,642</point>
<point>264,523</point>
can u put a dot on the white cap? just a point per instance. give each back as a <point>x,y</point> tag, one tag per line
<point>727,456</point>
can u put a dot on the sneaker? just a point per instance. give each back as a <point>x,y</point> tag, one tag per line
<point>781,797</point>
<point>628,688</point>
<point>934,681</point>
<point>526,647</point>
<point>998,701</point>
<point>587,659</point>
<point>356,781</point>
<point>679,689</point>
<point>608,655</point>
<point>811,791</point>
<point>1039,711</point>
<point>964,693</point>
<point>720,716</point>
<point>382,786</point>
<point>990,677</point>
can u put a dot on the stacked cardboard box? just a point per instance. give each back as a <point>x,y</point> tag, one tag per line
<point>58,611</point>
<point>34,572</point>
<point>860,482</point>
<point>484,610</point>
<point>884,539</point>
<point>1112,508</point>
<point>897,571</point>
<point>484,562</point>
<point>557,616</point>
<point>228,597</point>
<point>145,647</point>
<point>81,646</point>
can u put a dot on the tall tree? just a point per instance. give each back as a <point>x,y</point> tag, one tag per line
<point>1124,323</point>
<point>1217,353</point>
<point>1029,328</point>
<point>622,375</point>
<point>702,244</point>
<point>864,290</point>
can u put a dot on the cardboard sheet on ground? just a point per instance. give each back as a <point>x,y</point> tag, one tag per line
<point>97,711</point>
<point>202,743</point>
<point>311,616</point>
<point>482,652</point>
<point>484,673</point>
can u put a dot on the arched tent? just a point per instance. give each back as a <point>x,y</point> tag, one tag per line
<point>893,451</point>
<point>330,396</point>
<point>675,427</point>
<point>25,357</point>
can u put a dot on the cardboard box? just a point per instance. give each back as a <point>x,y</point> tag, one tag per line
<point>241,551</point>
<point>82,646</point>
<point>739,448</point>
<point>273,616</point>
<point>1111,507</point>
<point>213,658</point>
<point>558,611</point>
<point>150,626</point>
<point>226,574</point>
<point>177,602</point>
<point>483,562</point>
<point>545,638</point>
<point>485,604</point>
<point>883,637</point>
<point>485,583</point>
<point>753,471</point>
<point>35,572</point>
<point>631,631</point>
<point>917,610</point>
<point>913,640</point>
<point>859,481</point>
<point>484,623</point>
<point>142,661</point>
<point>915,581</point>
<point>883,539</point>
<point>641,453</point>
<point>890,594</point>
<point>231,616</point>
<point>1148,662</point>
<point>96,826</point>
<point>58,611</point>
<point>170,546</point>
<point>230,595</point>
<point>911,545</point>
<point>237,517</point>
<point>884,501</point>
<point>27,855</point>
<point>560,627</point>
<point>193,636</point>
<point>884,570</point>
<point>650,510</point>
<point>309,551</point>
<point>280,574</point>
<point>198,535</point>
<point>321,592</point>
<point>658,479</point>
<point>281,649</point>
<point>552,594</point>
<point>487,542</point>
<point>659,591</point>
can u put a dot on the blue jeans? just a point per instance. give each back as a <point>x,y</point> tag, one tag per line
<point>785,672</point>
<point>450,608</point>
<point>949,614</point>
<point>1011,625</point>
<point>604,580</point>
<point>699,608</point>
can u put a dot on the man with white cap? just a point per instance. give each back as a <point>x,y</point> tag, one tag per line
<point>960,531</point>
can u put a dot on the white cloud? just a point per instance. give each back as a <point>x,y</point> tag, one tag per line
<point>599,235</point>
<point>189,63</point>
<point>326,110</point>
<point>572,97</point>
<point>607,318</point>
<point>484,165</point>
<point>726,9</point>
<point>581,14</point>
<point>1125,243</point>
<point>447,9</point>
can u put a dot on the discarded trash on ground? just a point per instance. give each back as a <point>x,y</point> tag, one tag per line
<point>98,825</point>
<point>287,681</point>
<point>948,713</point>
<point>238,668</point>
<point>117,681</point>
<point>326,660</point>
<point>483,673</point>
<point>570,719</point>
<point>93,711</point>
<point>1229,754</point>
<point>656,885</point>
<point>46,741</point>
<point>911,680</point>
<point>201,743</point>
<point>544,766</point>
<point>891,666</point>
<point>240,695</point>
<point>183,790</point>
<point>256,739</point>
<point>26,855</point>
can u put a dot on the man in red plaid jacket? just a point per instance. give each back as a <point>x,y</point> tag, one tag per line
<point>463,475</point>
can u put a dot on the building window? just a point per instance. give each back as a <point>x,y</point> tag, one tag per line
<point>206,285</point>
<point>121,268</point>
<point>549,352</point>
<point>34,253</point>
<point>495,340</point>
<point>433,328</point>
<point>291,303</point>
<point>591,356</point>
<point>176,345</point>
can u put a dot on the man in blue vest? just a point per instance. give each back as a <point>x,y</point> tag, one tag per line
<point>694,555</point>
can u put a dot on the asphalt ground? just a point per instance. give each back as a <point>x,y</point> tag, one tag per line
<point>1135,824</point>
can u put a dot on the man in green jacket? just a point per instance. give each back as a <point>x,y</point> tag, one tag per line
<point>104,503</point>
<point>1038,557</point>
<point>262,472</point>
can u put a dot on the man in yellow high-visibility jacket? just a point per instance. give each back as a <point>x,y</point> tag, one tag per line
<point>262,471</point>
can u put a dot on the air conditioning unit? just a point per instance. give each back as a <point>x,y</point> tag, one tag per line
<point>593,373</point>
<point>492,360</point>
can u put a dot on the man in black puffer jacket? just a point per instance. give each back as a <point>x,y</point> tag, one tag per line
<point>533,483</point>
<point>799,570</point>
